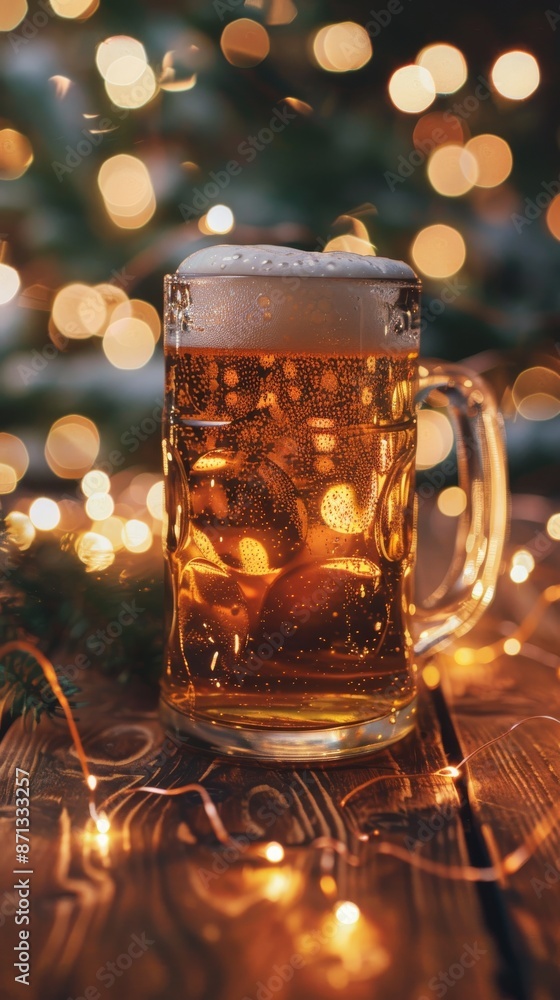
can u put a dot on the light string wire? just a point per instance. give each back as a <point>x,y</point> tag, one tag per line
<point>510,864</point>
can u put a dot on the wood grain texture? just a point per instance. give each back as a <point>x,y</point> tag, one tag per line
<point>515,783</point>
<point>220,923</point>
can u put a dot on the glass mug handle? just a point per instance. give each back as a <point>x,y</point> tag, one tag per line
<point>469,585</point>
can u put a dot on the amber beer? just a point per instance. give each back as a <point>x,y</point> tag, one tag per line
<point>290,532</point>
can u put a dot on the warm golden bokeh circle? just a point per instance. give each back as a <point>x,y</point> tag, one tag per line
<point>452,170</point>
<point>128,343</point>
<point>139,309</point>
<point>493,157</point>
<point>72,446</point>
<point>79,311</point>
<point>12,13</point>
<point>553,217</point>
<point>447,66</point>
<point>343,47</point>
<point>536,393</point>
<point>245,43</point>
<point>16,154</point>
<point>14,454</point>
<point>9,283</point>
<point>435,438</point>
<point>412,89</point>
<point>439,251</point>
<point>516,75</point>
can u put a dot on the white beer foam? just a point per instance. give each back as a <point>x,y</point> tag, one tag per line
<point>288,301</point>
<point>284,261</point>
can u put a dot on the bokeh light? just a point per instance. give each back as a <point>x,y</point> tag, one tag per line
<point>219,219</point>
<point>20,529</point>
<point>342,47</point>
<point>274,852</point>
<point>128,343</point>
<point>446,65</point>
<point>8,478</point>
<point>138,309</point>
<point>516,75</point>
<point>121,59</point>
<point>435,438</point>
<point>16,154</point>
<point>14,454</point>
<point>536,393</point>
<point>79,311</point>
<point>136,536</point>
<point>493,157</point>
<point>439,251</point>
<point>99,506</point>
<point>126,187</point>
<point>553,217</point>
<point>281,12</point>
<point>412,89</point>
<point>524,558</point>
<point>72,446</point>
<point>553,527</point>
<point>95,481</point>
<point>44,514</point>
<point>111,528</point>
<point>438,129</point>
<point>12,13</point>
<point>519,574</point>
<point>9,283</point>
<point>347,912</point>
<point>512,646</point>
<point>452,501</point>
<point>80,9</point>
<point>245,43</point>
<point>135,94</point>
<point>154,500</point>
<point>95,551</point>
<point>452,170</point>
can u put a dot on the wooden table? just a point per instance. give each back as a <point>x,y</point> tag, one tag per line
<point>180,919</point>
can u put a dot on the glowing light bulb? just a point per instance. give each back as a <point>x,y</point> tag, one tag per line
<point>102,823</point>
<point>347,912</point>
<point>274,852</point>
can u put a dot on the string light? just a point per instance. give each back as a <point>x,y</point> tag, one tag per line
<point>465,655</point>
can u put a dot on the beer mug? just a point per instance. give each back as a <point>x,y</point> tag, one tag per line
<point>292,385</point>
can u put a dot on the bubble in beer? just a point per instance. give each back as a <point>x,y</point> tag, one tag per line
<point>213,617</point>
<point>337,604</point>
<point>239,498</point>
